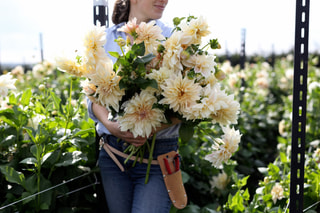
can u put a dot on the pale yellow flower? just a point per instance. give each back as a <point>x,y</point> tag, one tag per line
<point>160,76</point>
<point>139,115</point>
<point>197,29</point>
<point>226,67</point>
<point>94,45</point>
<point>151,35</point>
<point>88,88</point>
<point>130,27</point>
<point>211,80</point>
<point>224,148</point>
<point>38,71</point>
<point>212,100</point>
<point>6,83</point>
<point>173,49</point>
<point>228,112</point>
<point>203,64</point>
<point>220,181</point>
<point>18,70</point>
<point>180,93</point>
<point>108,92</point>
<point>71,66</point>
<point>277,192</point>
<point>231,138</point>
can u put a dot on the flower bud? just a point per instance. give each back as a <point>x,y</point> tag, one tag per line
<point>185,55</point>
<point>161,48</point>
<point>220,75</point>
<point>121,42</point>
<point>41,87</point>
<point>54,112</point>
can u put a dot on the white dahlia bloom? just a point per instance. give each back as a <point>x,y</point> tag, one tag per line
<point>151,35</point>
<point>196,28</point>
<point>139,115</point>
<point>180,93</point>
<point>203,64</point>
<point>6,83</point>
<point>224,148</point>
<point>173,49</point>
<point>108,92</point>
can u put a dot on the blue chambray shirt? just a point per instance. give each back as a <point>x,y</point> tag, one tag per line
<point>111,45</point>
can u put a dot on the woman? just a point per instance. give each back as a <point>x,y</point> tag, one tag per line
<point>125,190</point>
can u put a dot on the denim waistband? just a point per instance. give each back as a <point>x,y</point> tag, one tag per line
<point>161,145</point>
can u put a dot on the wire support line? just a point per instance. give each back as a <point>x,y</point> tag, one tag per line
<point>48,189</point>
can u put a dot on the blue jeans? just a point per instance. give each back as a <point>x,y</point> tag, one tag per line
<point>126,191</point>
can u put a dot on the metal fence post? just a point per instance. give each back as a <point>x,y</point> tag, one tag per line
<point>299,105</point>
<point>100,12</point>
<point>243,49</point>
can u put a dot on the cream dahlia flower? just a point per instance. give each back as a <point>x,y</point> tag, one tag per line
<point>203,64</point>
<point>212,100</point>
<point>211,80</point>
<point>228,113</point>
<point>180,93</point>
<point>151,35</point>
<point>160,76</point>
<point>173,49</point>
<point>224,148</point>
<point>6,83</point>
<point>220,181</point>
<point>277,192</point>
<point>94,45</point>
<point>139,115</point>
<point>88,88</point>
<point>130,27</point>
<point>196,28</point>
<point>71,66</point>
<point>108,92</point>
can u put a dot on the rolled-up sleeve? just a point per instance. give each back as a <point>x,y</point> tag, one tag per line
<point>90,111</point>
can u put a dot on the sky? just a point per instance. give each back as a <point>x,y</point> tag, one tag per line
<point>269,25</point>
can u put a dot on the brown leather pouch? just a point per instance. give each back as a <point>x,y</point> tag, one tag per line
<point>170,167</point>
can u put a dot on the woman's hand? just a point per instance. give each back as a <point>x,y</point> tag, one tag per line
<point>102,114</point>
<point>126,136</point>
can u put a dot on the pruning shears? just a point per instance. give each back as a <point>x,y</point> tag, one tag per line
<point>175,162</point>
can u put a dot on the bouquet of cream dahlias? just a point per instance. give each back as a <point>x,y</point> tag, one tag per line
<point>157,78</point>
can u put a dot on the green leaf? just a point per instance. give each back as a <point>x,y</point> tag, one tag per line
<point>25,99</point>
<point>30,133</point>
<point>82,132</point>
<point>144,59</point>
<point>283,157</point>
<point>12,175</point>
<point>144,83</point>
<point>138,49</point>
<point>114,54</point>
<point>8,141</point>
<point>8,121</point>
<point>30,160</point>
<point>33,150</point>
<point>68,159</point>
<point>186,132</point>
<point>12,99</point>
<point>56,100</point>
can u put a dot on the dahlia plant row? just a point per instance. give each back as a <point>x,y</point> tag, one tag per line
<point>48,150</point>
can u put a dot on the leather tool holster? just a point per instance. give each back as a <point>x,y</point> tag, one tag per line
<point>173,179</point>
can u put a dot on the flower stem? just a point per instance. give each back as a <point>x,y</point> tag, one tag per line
<point>150,158</point>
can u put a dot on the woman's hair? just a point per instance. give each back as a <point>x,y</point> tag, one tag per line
<point>121,11</point>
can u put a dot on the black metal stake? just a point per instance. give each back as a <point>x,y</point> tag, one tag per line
<point>299,105</point>
<point>243,49</point>
<point>101,12</point>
